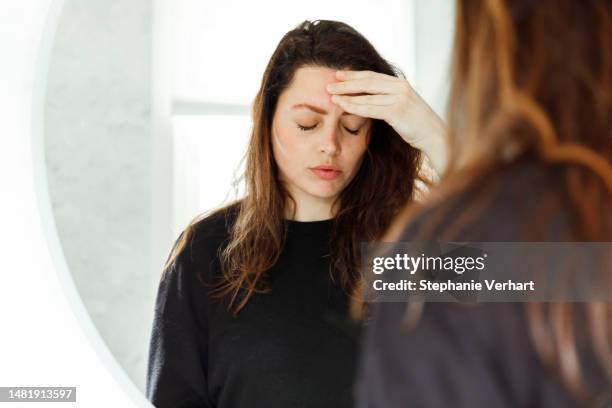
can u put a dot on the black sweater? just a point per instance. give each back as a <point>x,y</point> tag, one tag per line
<point>291,347</point>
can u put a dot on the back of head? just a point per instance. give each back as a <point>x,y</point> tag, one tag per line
<point>534,78</point>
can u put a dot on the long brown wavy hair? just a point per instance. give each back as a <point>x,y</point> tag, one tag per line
<point>534,78</point>
<point>384,183</point>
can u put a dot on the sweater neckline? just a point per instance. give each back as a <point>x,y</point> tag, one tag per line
<point>310,227</point>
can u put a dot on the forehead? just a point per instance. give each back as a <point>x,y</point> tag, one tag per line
<point>309,86</point>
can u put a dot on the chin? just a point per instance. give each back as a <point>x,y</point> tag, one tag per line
<point>328,192</point>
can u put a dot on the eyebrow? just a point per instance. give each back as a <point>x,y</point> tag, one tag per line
<point>315,109</point>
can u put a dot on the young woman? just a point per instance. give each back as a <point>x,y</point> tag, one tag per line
<point>251,310</point>
<point>531,152</point>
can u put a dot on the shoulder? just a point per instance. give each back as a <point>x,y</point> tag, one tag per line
<point>215,225</point>
<point>504,206</point>
<point>211,230</point>
<point>196,248</point>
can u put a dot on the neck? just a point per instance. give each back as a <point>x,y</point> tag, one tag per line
<point>310,209</point>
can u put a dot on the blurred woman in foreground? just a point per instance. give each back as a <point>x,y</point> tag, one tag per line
<point>530,124</point>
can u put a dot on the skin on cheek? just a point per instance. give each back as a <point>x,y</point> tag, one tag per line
<point>278,142</point>
<point>281,147</point>
<point>286,144</point>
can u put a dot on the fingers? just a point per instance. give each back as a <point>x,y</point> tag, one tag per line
<point>379,100</point>
<point>371,85</point>
<point>364,110</point>
<point>347,75</point>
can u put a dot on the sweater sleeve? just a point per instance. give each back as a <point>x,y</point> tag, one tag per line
<point>177,361</point>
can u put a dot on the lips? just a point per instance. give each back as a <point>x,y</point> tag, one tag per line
<point>326,167</point>
<point>326,172</point>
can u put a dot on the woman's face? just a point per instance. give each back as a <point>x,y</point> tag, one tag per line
<point>310,131</point>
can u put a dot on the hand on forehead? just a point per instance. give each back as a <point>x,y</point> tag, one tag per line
<point>309,86</point>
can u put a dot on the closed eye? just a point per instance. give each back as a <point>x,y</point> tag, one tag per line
<point>352,132</point>
<point>306,127</point>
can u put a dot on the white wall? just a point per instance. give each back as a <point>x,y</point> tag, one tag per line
<point>434,28</point>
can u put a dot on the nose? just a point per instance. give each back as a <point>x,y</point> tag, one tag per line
<point>329,142</point>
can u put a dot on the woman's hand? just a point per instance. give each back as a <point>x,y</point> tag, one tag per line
<point>392,99</point>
